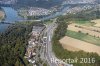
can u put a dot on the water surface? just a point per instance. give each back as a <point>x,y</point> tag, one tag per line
<point>11,17</point>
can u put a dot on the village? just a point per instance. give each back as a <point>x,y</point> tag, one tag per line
<point>34,44</point>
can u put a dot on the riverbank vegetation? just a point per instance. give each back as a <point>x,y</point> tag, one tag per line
<point>13,45</point>
<point>2,14</point>
<point>60,32</point>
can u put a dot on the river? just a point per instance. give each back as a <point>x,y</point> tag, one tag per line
<point>61,12</point>
<point>11,17</point>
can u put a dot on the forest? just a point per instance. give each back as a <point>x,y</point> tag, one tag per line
<point>13,44</point>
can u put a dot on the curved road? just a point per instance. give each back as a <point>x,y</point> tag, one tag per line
<point>49,55</point>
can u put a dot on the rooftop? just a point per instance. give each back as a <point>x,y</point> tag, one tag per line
<point>38,29</point>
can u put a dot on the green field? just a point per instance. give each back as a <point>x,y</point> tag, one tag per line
<point>83,22</point>
<point>47,22</point>
<point>84,37</point>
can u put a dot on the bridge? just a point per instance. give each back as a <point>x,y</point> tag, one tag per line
<point>13,22</point>
<point>6,23</point>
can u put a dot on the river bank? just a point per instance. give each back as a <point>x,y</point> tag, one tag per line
<point>11,16</point>
<point>2,14</point>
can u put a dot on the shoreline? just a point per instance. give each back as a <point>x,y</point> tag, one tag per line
<point>2,14</point>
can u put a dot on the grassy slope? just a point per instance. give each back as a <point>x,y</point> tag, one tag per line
<point>83,22</point>
<point>84,37</point>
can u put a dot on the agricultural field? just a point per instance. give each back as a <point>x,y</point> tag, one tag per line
<point>77,45</point>
<point>97,21</point>
<point>83,37</point>
<point>90,30</point>
<point>83,22</point>
<point>64,46</point>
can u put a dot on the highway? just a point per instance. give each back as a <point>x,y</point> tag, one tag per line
<point>48,53</point>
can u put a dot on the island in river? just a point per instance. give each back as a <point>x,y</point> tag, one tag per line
<point>2,14</point>
<point>11,17</point>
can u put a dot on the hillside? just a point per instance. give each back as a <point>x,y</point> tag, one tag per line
<point>46,3</point>
<point>37,3</point>
<point>81,1</point>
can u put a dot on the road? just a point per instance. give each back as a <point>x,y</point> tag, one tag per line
<point>48,53</point>
<point>13,22</point>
